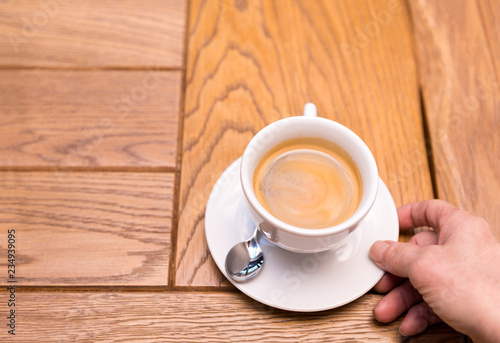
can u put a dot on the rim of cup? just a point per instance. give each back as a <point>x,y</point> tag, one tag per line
<point>263,142</point>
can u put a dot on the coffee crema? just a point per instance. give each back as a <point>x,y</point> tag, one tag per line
<point>308,182</point>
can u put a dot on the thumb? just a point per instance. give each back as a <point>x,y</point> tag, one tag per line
<point>394,257</point>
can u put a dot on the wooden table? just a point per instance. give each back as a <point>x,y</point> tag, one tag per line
<point>117,118</point>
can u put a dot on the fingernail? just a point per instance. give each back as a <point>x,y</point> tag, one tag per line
<point>378,250</point>
<point>401,333</point>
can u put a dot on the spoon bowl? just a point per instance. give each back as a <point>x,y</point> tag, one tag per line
<point>245,260</point>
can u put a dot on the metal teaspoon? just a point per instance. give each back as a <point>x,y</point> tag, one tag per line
<point>245,259</point>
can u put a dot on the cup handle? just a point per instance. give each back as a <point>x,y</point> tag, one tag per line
<point>309,110</point>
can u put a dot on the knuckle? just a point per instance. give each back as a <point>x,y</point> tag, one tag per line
<point>482,224</point>
<point>476,226</point>
<point>439,202</point>
<point>391,254</point>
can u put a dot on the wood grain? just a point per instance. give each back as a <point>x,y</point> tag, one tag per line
<point>193,317</point>
<point>57,119</point>
<point>458,49</point>
<point>252,63</point>
<point>86,229</point>
<point>96,33</point>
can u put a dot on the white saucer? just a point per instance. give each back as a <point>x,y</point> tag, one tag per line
<point>291,281</point>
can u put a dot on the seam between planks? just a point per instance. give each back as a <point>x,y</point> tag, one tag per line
<point>97,169</point>
<point>425,122</point>
<point>428,146</point>
<point>177,180</point>
<point>84,68</point>
<point>124,289</point>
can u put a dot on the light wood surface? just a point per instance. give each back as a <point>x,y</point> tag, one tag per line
<point>59,119</point>
<point>257,62</point>
<point>194,317</point>
<point>96,33</point>
<point>117,118</point>
<point>87,229</point>
<point>460,73</point>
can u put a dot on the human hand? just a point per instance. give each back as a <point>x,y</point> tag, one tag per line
<point>451,273</point>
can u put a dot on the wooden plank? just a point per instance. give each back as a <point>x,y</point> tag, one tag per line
<point>87,229</point>
<point>252,63</point>
<point>96,33</point>
<point>192,317</point>
<point>458,47</point>
<point>89,118</point>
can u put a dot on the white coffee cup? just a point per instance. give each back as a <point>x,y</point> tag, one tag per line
<point>291,237</point>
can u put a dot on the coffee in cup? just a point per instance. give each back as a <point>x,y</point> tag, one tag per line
<point>308,182</point>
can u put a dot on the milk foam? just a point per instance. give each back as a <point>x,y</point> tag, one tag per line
<point>308,188</point>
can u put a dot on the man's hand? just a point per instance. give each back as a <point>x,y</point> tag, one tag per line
<point>451,273</point>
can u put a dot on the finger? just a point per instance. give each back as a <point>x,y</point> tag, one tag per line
<point>393,257</point>
<point>433,213</point>
<point>418,318</point>
<point>398,301</point>
<point>424,238</point>
<point>388,282</point>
